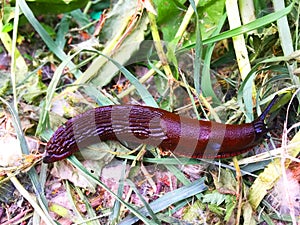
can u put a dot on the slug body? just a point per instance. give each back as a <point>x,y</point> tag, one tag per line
<point>141,124</point>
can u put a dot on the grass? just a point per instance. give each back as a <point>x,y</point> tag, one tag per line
<point>136,60</point>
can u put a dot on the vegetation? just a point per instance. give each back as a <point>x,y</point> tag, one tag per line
<point>196,58</point>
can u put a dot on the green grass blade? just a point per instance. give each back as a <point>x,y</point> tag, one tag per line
<point>164,161</point>
<point>147,206</point>
<point>25,150</point>
<point>63,30</point>
<point>42,32</point>
<point>80,167</point>
<point>143,92</point>
<point>43,122</point>
<point>114,216</point>
<point>198,50</point>
<point>146,96</point>
<point>170,198</point>
<point>260,22</point>
<point>206,84</point>
<point>89,209</point>
<point>251,76</point>
<point>284,29</point>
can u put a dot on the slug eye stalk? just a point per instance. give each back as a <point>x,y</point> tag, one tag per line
<point>260,126</point>
<point>269,107</point>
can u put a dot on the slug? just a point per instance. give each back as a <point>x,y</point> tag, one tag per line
<point>159,128</point>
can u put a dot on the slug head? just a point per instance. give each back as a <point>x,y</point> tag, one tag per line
<point>259,125</point>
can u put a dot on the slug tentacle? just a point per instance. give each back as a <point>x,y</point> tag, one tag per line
<point>259,125</point>
<point>156,127</point>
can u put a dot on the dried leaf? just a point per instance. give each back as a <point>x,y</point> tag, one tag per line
<point>248,215</point>
<point>10,150</point>
<point>267,179</point>
<point>120,49</point>
<point>225,182</point>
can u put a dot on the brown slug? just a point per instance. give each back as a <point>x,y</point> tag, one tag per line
<point>159,128</point>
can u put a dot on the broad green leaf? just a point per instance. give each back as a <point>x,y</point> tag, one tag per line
<point>214,198</point>
<point>54,6</point>
<point>169,17</point>
<point>210,13</point>
<point>7,28</point>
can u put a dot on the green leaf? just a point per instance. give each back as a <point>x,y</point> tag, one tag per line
<point>216,209</point>
<point>7,28</point>
<point>169,17</point>
<point>8,14</point>
<point>198,50</point>
<point>230,206</point>
<point>214,198</point>
<point>55,6</point>
<point>49,30</point>
<point>63,29</point>
<point>210,12</point>
<point>194,213</point>
<point>206,80</point>
<point>34,88</point>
